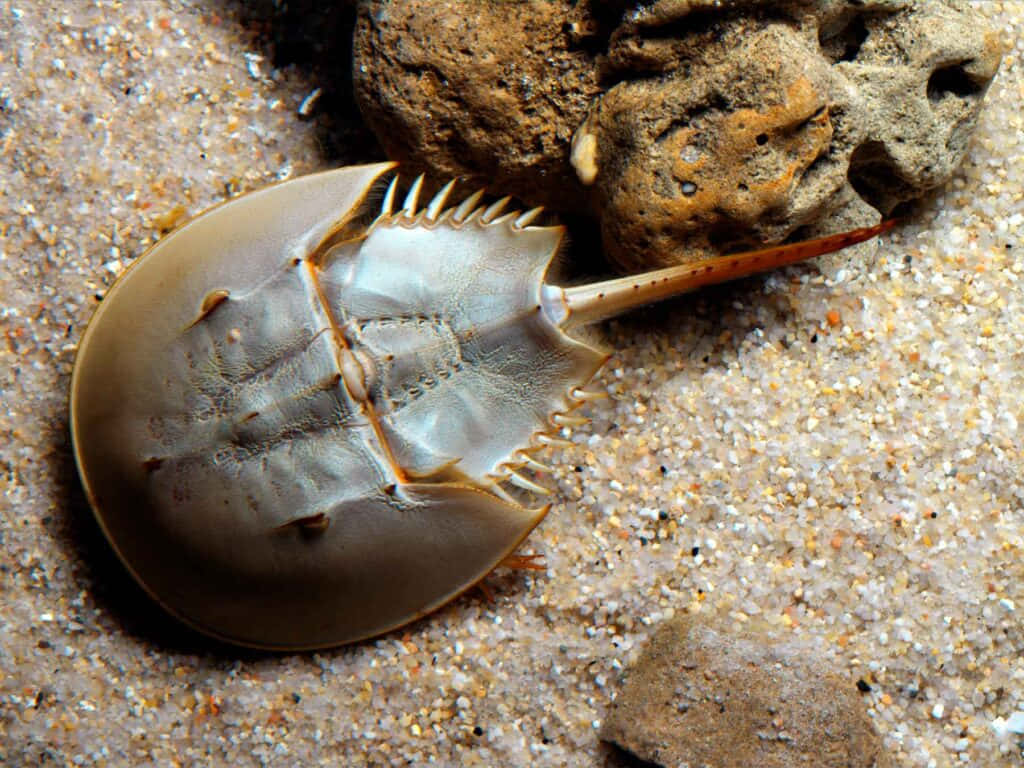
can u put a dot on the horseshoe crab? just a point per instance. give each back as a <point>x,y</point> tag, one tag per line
<point>299,421</point>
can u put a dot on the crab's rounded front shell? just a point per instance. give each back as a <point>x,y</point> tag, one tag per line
<point>257,487</point>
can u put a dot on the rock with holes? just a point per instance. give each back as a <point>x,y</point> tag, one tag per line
<point>697,696</point>
<point>687,127</point>
<point>302,420</point>
<point>490,90</point>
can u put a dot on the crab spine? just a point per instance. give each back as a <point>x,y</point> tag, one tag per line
<point>591,303</point>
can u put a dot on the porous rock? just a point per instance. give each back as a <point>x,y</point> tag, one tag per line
<point>488,90</point>
<point>699,697</point>
<point>689,128</point>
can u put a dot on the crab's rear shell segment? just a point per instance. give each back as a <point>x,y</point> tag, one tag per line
<point>288,425</point>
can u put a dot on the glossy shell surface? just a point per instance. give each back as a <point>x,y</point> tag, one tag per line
<point>285,419</point>
<point>299,420</point>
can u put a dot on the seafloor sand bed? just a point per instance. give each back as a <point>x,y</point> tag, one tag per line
<point>831,450</point>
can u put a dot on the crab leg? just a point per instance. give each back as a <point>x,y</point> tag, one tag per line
<point>591,303</point>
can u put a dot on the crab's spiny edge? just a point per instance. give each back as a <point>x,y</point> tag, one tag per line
<point>435,211</point>
<point>508,471</point>
<point>494,214</point>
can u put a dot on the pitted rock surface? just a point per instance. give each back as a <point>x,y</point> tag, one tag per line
<point>700,697</point>
<point>688,128</point>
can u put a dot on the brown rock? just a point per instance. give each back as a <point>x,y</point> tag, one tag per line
<point>690,128</point>
<point>488,90</point>
<point>696,697</point>
<point>720,162</point>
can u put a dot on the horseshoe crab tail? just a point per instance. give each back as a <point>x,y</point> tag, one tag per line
<point>591,303</point>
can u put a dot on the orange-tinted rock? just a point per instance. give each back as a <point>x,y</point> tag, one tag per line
<point>487,90</point>
<point>672,171</point>
<point>689,128</point>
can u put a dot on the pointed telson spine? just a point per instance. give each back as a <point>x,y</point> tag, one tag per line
<point>591,303</point>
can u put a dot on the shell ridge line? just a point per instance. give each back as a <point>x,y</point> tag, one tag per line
<point>342,348</point>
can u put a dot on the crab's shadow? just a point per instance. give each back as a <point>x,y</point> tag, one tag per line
<point>315,38</point>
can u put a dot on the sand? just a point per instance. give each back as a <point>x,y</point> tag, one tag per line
<point>830,450</point>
